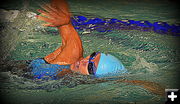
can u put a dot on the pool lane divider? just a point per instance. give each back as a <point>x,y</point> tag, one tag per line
<point>110,24</point>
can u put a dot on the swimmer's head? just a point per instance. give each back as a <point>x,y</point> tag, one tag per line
<point>98,64</point>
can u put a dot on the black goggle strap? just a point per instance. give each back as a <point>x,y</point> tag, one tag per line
<point>91,66</point>
<point>94,68</point>
<point>94,54</point>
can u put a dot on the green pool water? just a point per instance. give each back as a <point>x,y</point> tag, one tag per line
<point>148,56</point>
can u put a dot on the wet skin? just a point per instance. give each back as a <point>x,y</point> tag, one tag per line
<point>56,14</point>
<point>71,51</point>
<point>82,65</point>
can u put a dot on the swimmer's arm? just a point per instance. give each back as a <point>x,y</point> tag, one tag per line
<point>57,14</point>
<point>67,32</point>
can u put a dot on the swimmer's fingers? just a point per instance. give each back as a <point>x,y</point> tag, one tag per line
<point>57,10</point>
<point>49,25</point>
<point>49,9</point>
<point>44,13</point>
<point>48,15</point>
<point>54,15</point>
<point>45,19</point>
<point>55,22</point>
<point>51,12</point>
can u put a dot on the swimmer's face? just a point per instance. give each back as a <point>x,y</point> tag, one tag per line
<point>82,65</point>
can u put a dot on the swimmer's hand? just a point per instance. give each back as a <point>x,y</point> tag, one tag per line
<point>56,14</point>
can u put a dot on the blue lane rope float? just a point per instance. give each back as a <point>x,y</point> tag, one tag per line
<point>107,25</point>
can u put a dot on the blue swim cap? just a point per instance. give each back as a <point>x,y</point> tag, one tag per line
<point>109,65</point>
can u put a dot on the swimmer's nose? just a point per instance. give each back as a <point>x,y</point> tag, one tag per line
<point>77,64</point>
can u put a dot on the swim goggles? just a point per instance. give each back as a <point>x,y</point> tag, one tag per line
<point>91,66</point>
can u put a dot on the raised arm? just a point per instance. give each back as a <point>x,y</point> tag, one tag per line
<point>57,15</point>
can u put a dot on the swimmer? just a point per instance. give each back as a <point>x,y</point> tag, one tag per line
<point>69,56</point>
